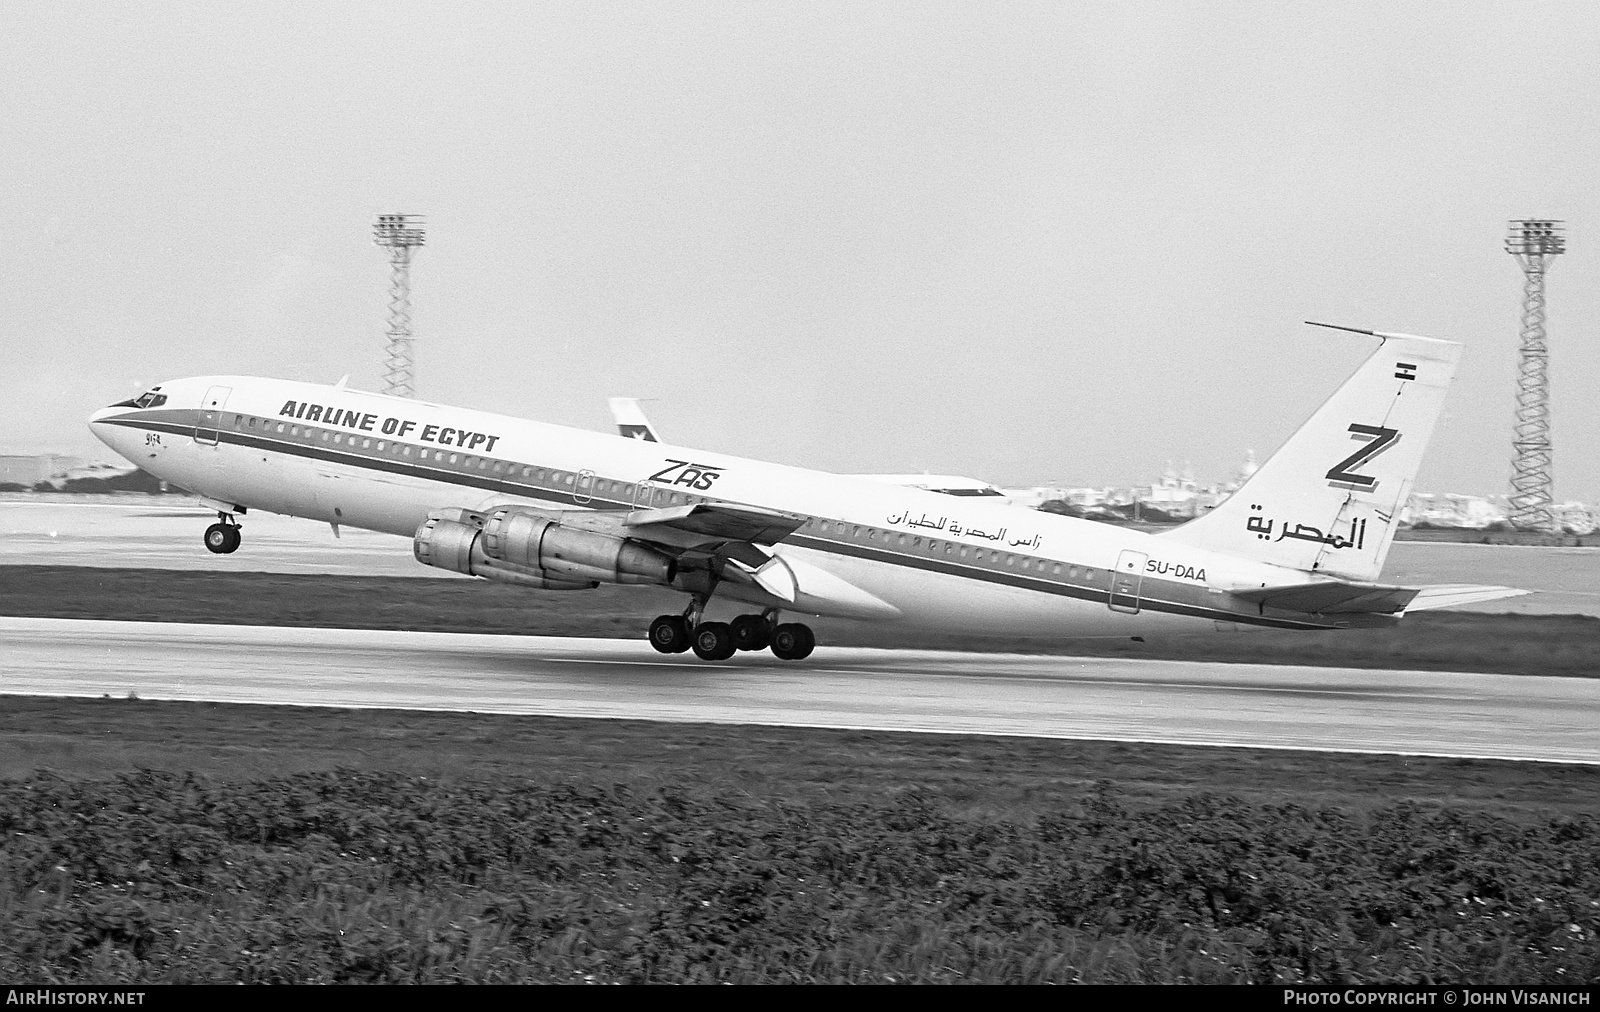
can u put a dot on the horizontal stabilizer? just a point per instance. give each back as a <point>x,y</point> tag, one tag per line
<point>1333,597</point>
<point>1453,595</point>
<point>1338,597</point>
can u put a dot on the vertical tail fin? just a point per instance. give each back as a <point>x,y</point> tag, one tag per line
<point>630,419</point>
<point>1329,500</point>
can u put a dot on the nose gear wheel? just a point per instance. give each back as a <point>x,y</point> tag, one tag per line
<point>223,537</point>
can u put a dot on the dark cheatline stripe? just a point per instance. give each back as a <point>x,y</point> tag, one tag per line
<point>565,498</point>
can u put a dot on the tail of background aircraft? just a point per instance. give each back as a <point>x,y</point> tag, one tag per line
<point>630,419</point>
<point>1329,500</point>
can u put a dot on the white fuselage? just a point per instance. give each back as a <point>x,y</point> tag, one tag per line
<point>365,460</point>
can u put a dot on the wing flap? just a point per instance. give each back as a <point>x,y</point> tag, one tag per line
<point>806,588</point>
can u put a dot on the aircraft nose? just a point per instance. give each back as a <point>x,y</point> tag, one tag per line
<point>98,424</point>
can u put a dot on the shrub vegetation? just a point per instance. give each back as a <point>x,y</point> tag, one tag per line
<point>361,876</point>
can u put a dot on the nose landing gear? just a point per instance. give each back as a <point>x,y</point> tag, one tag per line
<point>223,537</point>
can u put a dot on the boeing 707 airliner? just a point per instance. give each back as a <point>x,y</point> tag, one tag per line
<point>549,508</point>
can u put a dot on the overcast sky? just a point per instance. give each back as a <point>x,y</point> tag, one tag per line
<point>1027,242</point>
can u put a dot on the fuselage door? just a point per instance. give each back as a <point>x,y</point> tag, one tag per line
<point>1125,582</point>
<point>210,414</point>
<point>583,489</point>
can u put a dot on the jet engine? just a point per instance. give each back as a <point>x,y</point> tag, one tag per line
<point>529,539</point>
<point>533,550</point>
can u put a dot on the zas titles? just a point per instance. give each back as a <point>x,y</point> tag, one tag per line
<point>444,435</point>
<point>683,472</point>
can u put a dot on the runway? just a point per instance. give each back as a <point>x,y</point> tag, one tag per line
<point>163,532</point>
<point>154,532</point>
<point>1291,707</point>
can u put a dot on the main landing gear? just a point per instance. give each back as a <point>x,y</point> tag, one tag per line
<point>718,641</point>
<point>223,537</point>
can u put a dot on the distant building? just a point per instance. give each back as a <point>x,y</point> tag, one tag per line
<point>29,471</point>
<point>1180,494</point>
<point>1449,509</point>
<point>1577,517</point>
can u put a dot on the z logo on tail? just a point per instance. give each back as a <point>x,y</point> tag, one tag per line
<point>1343,474</point>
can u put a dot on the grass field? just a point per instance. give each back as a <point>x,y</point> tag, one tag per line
<point>163,841</point>
<point>1565,645</point>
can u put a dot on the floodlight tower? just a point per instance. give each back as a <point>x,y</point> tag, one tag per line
<point>400,234</point>
<point>1533,242</point>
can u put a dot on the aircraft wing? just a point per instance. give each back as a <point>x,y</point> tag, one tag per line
<point>710,523</point>
<point>729,540</point>
<point>1339,597</point>
<point>732,535</point>
<point>701,526</point>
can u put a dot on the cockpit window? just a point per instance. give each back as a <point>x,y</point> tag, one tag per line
<point>152,398</point>
<point>149,399</point>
